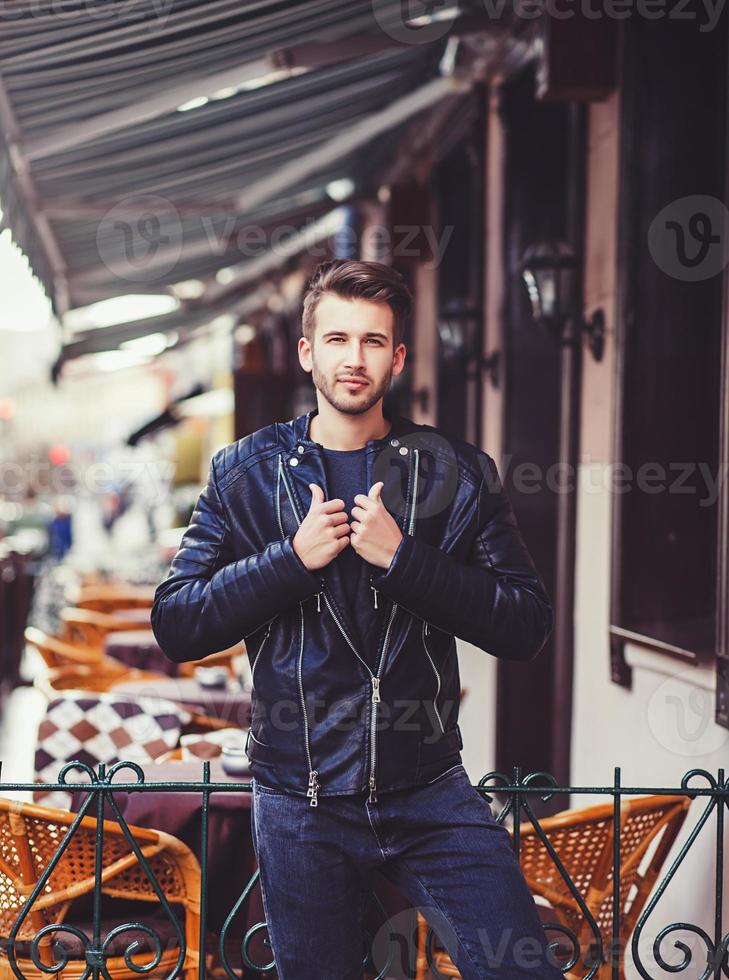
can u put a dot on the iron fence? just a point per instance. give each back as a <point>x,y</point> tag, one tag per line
<point>598,873</point>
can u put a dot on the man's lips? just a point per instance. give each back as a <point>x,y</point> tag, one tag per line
<point>354,382</point>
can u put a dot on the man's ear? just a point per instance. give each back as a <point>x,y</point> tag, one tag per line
<point>398,359</point>
<point>305,354</point>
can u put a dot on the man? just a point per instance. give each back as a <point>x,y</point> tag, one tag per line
<point>350,548</point>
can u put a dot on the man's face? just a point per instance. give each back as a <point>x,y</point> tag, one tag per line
<point>352,360</point>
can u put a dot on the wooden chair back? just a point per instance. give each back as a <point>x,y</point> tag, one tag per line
<point>30,836</point>
<point>59,653</point>
<point>108,598</point>
<point>89,627</point>
<point>583,840</point>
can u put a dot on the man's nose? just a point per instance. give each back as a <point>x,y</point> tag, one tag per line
<point>353,355</point>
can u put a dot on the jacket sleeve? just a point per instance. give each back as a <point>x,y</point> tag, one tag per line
<point>496,600</point>
<point>209,601</point>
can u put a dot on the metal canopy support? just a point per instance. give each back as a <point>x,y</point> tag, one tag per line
<point>308,55</point>
<point>350,140</point>
<point>154,106</point>
<point>45,233</point>
<point>338,147</point>
<point>213,303</point>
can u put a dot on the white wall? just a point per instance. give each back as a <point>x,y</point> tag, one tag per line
<point>664,725</point>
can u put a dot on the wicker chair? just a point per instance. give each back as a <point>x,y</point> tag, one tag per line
<point>30,835</point>
<point>100,677</point>
<point>583,841</point>
<point>58,653</point>
<point>89,627</point>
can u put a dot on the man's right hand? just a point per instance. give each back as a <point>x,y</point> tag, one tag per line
<point>324,532</point>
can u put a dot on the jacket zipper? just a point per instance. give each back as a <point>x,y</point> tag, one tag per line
<point>411,503</point>
<point>260,651</point>
<point>411,527</point>
<point>313,789</point>
<point>373,714</point>
<point>282,474</point>
<point>426,630</point>
<point>314,784</point>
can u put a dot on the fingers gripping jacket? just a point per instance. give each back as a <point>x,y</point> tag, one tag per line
<point>208,600</point>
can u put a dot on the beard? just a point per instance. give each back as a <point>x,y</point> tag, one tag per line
<point>350,402</point>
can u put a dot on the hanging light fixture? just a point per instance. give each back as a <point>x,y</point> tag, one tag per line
<point>549,270</point>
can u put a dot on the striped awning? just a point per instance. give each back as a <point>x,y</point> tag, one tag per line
<point>148,142</point>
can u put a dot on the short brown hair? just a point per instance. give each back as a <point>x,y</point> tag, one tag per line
<point>353,279</point>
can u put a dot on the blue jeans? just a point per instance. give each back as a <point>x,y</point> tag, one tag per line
<point>439,843</point>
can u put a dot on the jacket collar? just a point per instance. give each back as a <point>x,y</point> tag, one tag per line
<point>399,425</point>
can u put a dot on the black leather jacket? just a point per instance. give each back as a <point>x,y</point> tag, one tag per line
<point>325,722</point>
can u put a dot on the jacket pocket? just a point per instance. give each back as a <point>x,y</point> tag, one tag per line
<point>432,754</point>
<point>258,751</point>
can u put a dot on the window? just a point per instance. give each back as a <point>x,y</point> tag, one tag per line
<point>666,527</point>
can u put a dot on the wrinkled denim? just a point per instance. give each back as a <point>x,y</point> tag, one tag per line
<point>439,843</point>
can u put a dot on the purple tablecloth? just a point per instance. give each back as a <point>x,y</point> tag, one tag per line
<point>230,704</point>
<point>231,856</point>
<point>138,648</point>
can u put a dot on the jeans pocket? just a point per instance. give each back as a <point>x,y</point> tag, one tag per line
<point>448,772</point>
<point>259,787</point>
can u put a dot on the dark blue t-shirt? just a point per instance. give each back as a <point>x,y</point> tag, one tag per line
<point>347,476</point>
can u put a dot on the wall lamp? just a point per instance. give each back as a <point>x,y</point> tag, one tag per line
<point>549,270</point>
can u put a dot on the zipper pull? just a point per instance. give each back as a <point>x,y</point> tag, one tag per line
<point>318,602</point>
<point>375,690</point>
<point>374,591</point>
<point>313,789</point>
<point>427,629</point>
<point>372,798</point>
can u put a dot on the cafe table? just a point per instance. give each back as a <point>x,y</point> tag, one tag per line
<point>228,703</point>
<point>231,854</point>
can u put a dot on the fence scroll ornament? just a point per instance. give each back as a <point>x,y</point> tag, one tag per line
<point>581,953</point>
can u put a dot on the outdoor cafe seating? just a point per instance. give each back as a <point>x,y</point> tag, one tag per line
<point>72,666</point>
<point>30,835</point>
<point>583,841</point>
<point>83,681</point>
<point>109,597</point>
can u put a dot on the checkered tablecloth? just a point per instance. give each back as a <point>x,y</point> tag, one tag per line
<point>94,728</point>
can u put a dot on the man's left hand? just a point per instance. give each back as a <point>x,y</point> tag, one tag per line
<point>374,531</point>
